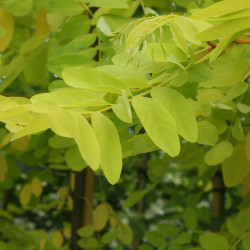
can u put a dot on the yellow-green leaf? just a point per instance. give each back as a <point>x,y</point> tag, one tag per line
<point>236,167</point>
<point>86,140</point>
<point>122,108</point>
<point>111,153</point>
<point>25,194</point>
<point>7,22</point>
<point>70,98</point>
<point>100,216</point>
<point>36,186</point>
<point>178,36</point>
<point>124,233</point>
<point>61,123</point>
<point>158,123</point>
<point>207,133</point>
<point>19,8</point>
<point>180,109</point>
<point>57,239</point>
<point>86,78</point>
<point>38,124</point>
<point>221,8</point>
<point>219,153</point>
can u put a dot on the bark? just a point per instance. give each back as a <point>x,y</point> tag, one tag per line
<point>82,204</point>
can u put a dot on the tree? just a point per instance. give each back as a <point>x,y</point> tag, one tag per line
<point>173,88</point>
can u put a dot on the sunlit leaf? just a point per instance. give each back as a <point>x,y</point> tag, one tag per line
<point>158,123</point>
<point>180,109</point>
<point>111,153</point>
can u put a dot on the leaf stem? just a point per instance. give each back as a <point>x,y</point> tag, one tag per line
<point>238,241</point>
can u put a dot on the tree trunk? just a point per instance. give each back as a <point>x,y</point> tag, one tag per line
<point>82,204</point>
<point>218,202</point>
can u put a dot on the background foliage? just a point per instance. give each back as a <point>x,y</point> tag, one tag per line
<point>156,89</point>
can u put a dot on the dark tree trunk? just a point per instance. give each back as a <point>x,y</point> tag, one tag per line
<point>82,204</point>
<point>218,203</point>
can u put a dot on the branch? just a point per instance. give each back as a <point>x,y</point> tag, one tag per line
<point>237,41</point>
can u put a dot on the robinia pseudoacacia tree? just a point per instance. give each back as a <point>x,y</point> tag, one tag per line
<point>111,86</point>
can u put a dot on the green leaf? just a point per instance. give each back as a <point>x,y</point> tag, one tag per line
<point>243,218</point>
<point>243,108</point>
<point>122,109</point>
<point>190,28</point>
<point>70,98</point>
<point>101,216</point>
<point>178,36</point>
<point>221,8</point>
<point>109,23</point>
<point>180,109</point>
<point>170,49</point>
<point>109,237</point>
<point>181,77</point>
<point>74,160</point>
<point>234,227</point>
<point>88,243</point>
<point>190,218</point>
<point>61,123</point>
<point>124,233</point>
<point>58,142</point>
<point>247,146</point>
<point>222,30</point>
<point>111,153</point>
<point>158,123</point>
<point>145,247</point>
<point>219,153</point>
<point>66,7</point>
<point>237,130</point>
<point>168,230</point>
<point>86,231</point>
<point>58,63</point>
<point>222,111</point>
<point>86,140</point>
<point>42,107</point>
<point>36,187</point>
<point>184,238</point>
<point>228,70</point>
<point>19,8</point>
<point>76,26</point>
<point>25,194</point>
<point>7,24</point>
<point>236,167</point>
<point>155,238</point>
<point>212,241</point>
<point>3,245</point>
<point>246,241</point>
<point>86,78</point>
<point>3,31</point>
<point>38,124</point>
<point>118,4</point>
<point>136,196</point>
<point>235,91</point>
<point>76,46</point>
<point>207,133</point>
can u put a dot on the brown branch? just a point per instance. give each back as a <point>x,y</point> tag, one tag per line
<point>237,40</point>
<point>213,45</point>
